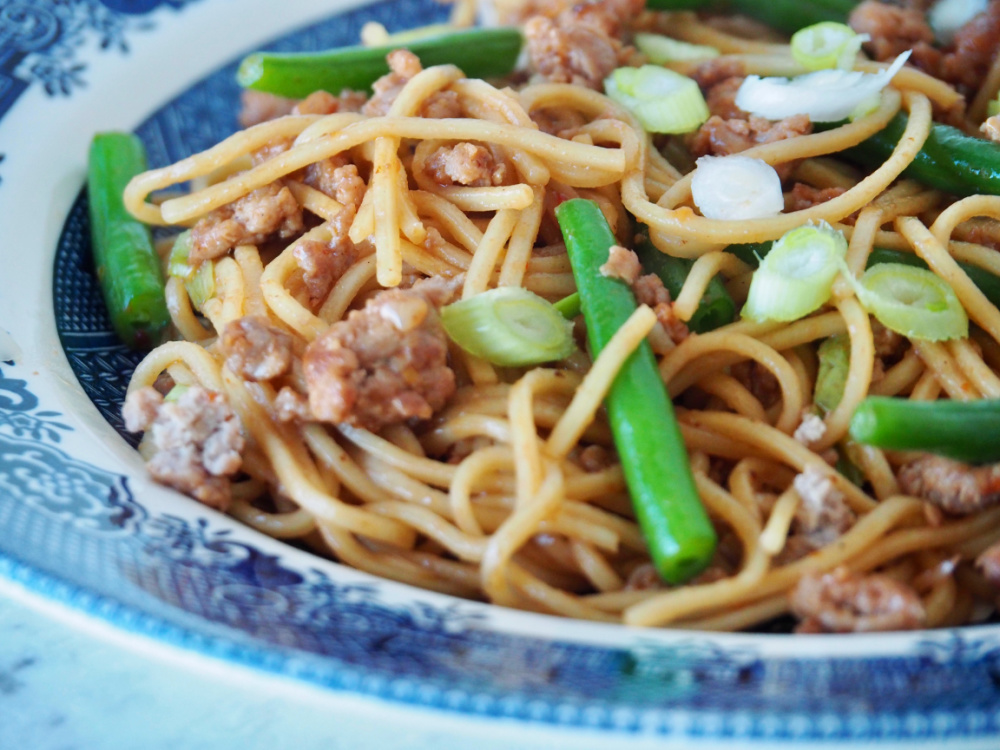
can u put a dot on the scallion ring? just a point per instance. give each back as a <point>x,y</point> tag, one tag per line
<point>913,302</point>
<point>827,45</point>
<point>663,49</point>
<point>509,326</point>
<point>796,276</point>
<point>736,187</point>
<point>661,100</point>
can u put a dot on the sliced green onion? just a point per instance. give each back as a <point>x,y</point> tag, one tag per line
<point>826,95</point>
<point>178,264</point>
<point>176,392</point>
<point>850,459</point>
<point>913,302</point>
<point>796,276</point>
<point>948,16</point>
<point>736,187</point>
<point>509,326</point>
<point>993,108</point>
<point>831,377</point>
<point>827,45</point>
<point>661,100</point>
<point>201,284</point>
<point>663,49</point>
<point>866,107</point>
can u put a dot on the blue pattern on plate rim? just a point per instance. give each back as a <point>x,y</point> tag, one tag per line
<point>76,533</point>
<point>40,41</point>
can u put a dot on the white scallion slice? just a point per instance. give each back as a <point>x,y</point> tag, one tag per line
<point>826,95</point>
<point>827,45</point>
<point>948,16</point>
<point>736,187</point>
<point>663,49</point>
<point>661,100</point>
<point>913,302</point>
<point>796,276</point>
<point>509,326</point>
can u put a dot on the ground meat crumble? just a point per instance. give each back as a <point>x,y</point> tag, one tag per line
<point>963,62</point>
<point>322,263</point>
<point>196,439</point>
<point>721,137</point>
<point>256,349</point>
<point>404,65</point>
<point>386,363</point>
<point>649,290</point>
<point>822,516</point>
<point>845,602</point>
<point>466,164</point>
<point>581,43</point>
<point>953,486</point>
<point>621,264</point>
<point>251,220</point>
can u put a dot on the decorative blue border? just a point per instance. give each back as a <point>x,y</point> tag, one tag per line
<point>40,40</point>
<point>76,534</point>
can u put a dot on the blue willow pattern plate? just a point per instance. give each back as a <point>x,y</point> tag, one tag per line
<point>81,524</point>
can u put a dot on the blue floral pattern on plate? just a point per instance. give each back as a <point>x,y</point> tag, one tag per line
<point>78,533</point>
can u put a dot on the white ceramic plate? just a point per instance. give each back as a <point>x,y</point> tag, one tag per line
<point>81,524</point>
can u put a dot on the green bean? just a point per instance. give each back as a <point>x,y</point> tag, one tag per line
<point>480,53</point>
<point>127,265</point>
<point>569,306</point>
<point>716,307</point>
<point>966,431</point>
<point>647,437</point>
<point>785,15</point>
<point>949,160</point>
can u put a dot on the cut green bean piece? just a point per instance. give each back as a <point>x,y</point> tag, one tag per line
<point>480,53</point>
<point>126,262</point>
<point>966,431</point>
<point>949,160</point>
<point>569,306</point>
<point>784,15</point>
<point>716,307</point>
<point>653,456</point>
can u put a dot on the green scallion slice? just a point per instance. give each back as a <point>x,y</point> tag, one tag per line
<point>827,45</point>
<point>661,100</point>
<point>663,49</point>
<point>509,326</point>
<point>201,284</point>
<point>913,302</point>
<point>796,276</point>
<point>177,263</point>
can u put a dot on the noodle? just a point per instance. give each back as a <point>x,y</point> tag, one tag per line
<point>509,489</point>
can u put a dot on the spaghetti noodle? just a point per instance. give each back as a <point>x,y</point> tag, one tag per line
<point>507,488</point>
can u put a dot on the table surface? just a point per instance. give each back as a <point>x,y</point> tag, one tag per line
<point>69,682</point>
<point>63,686</point>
